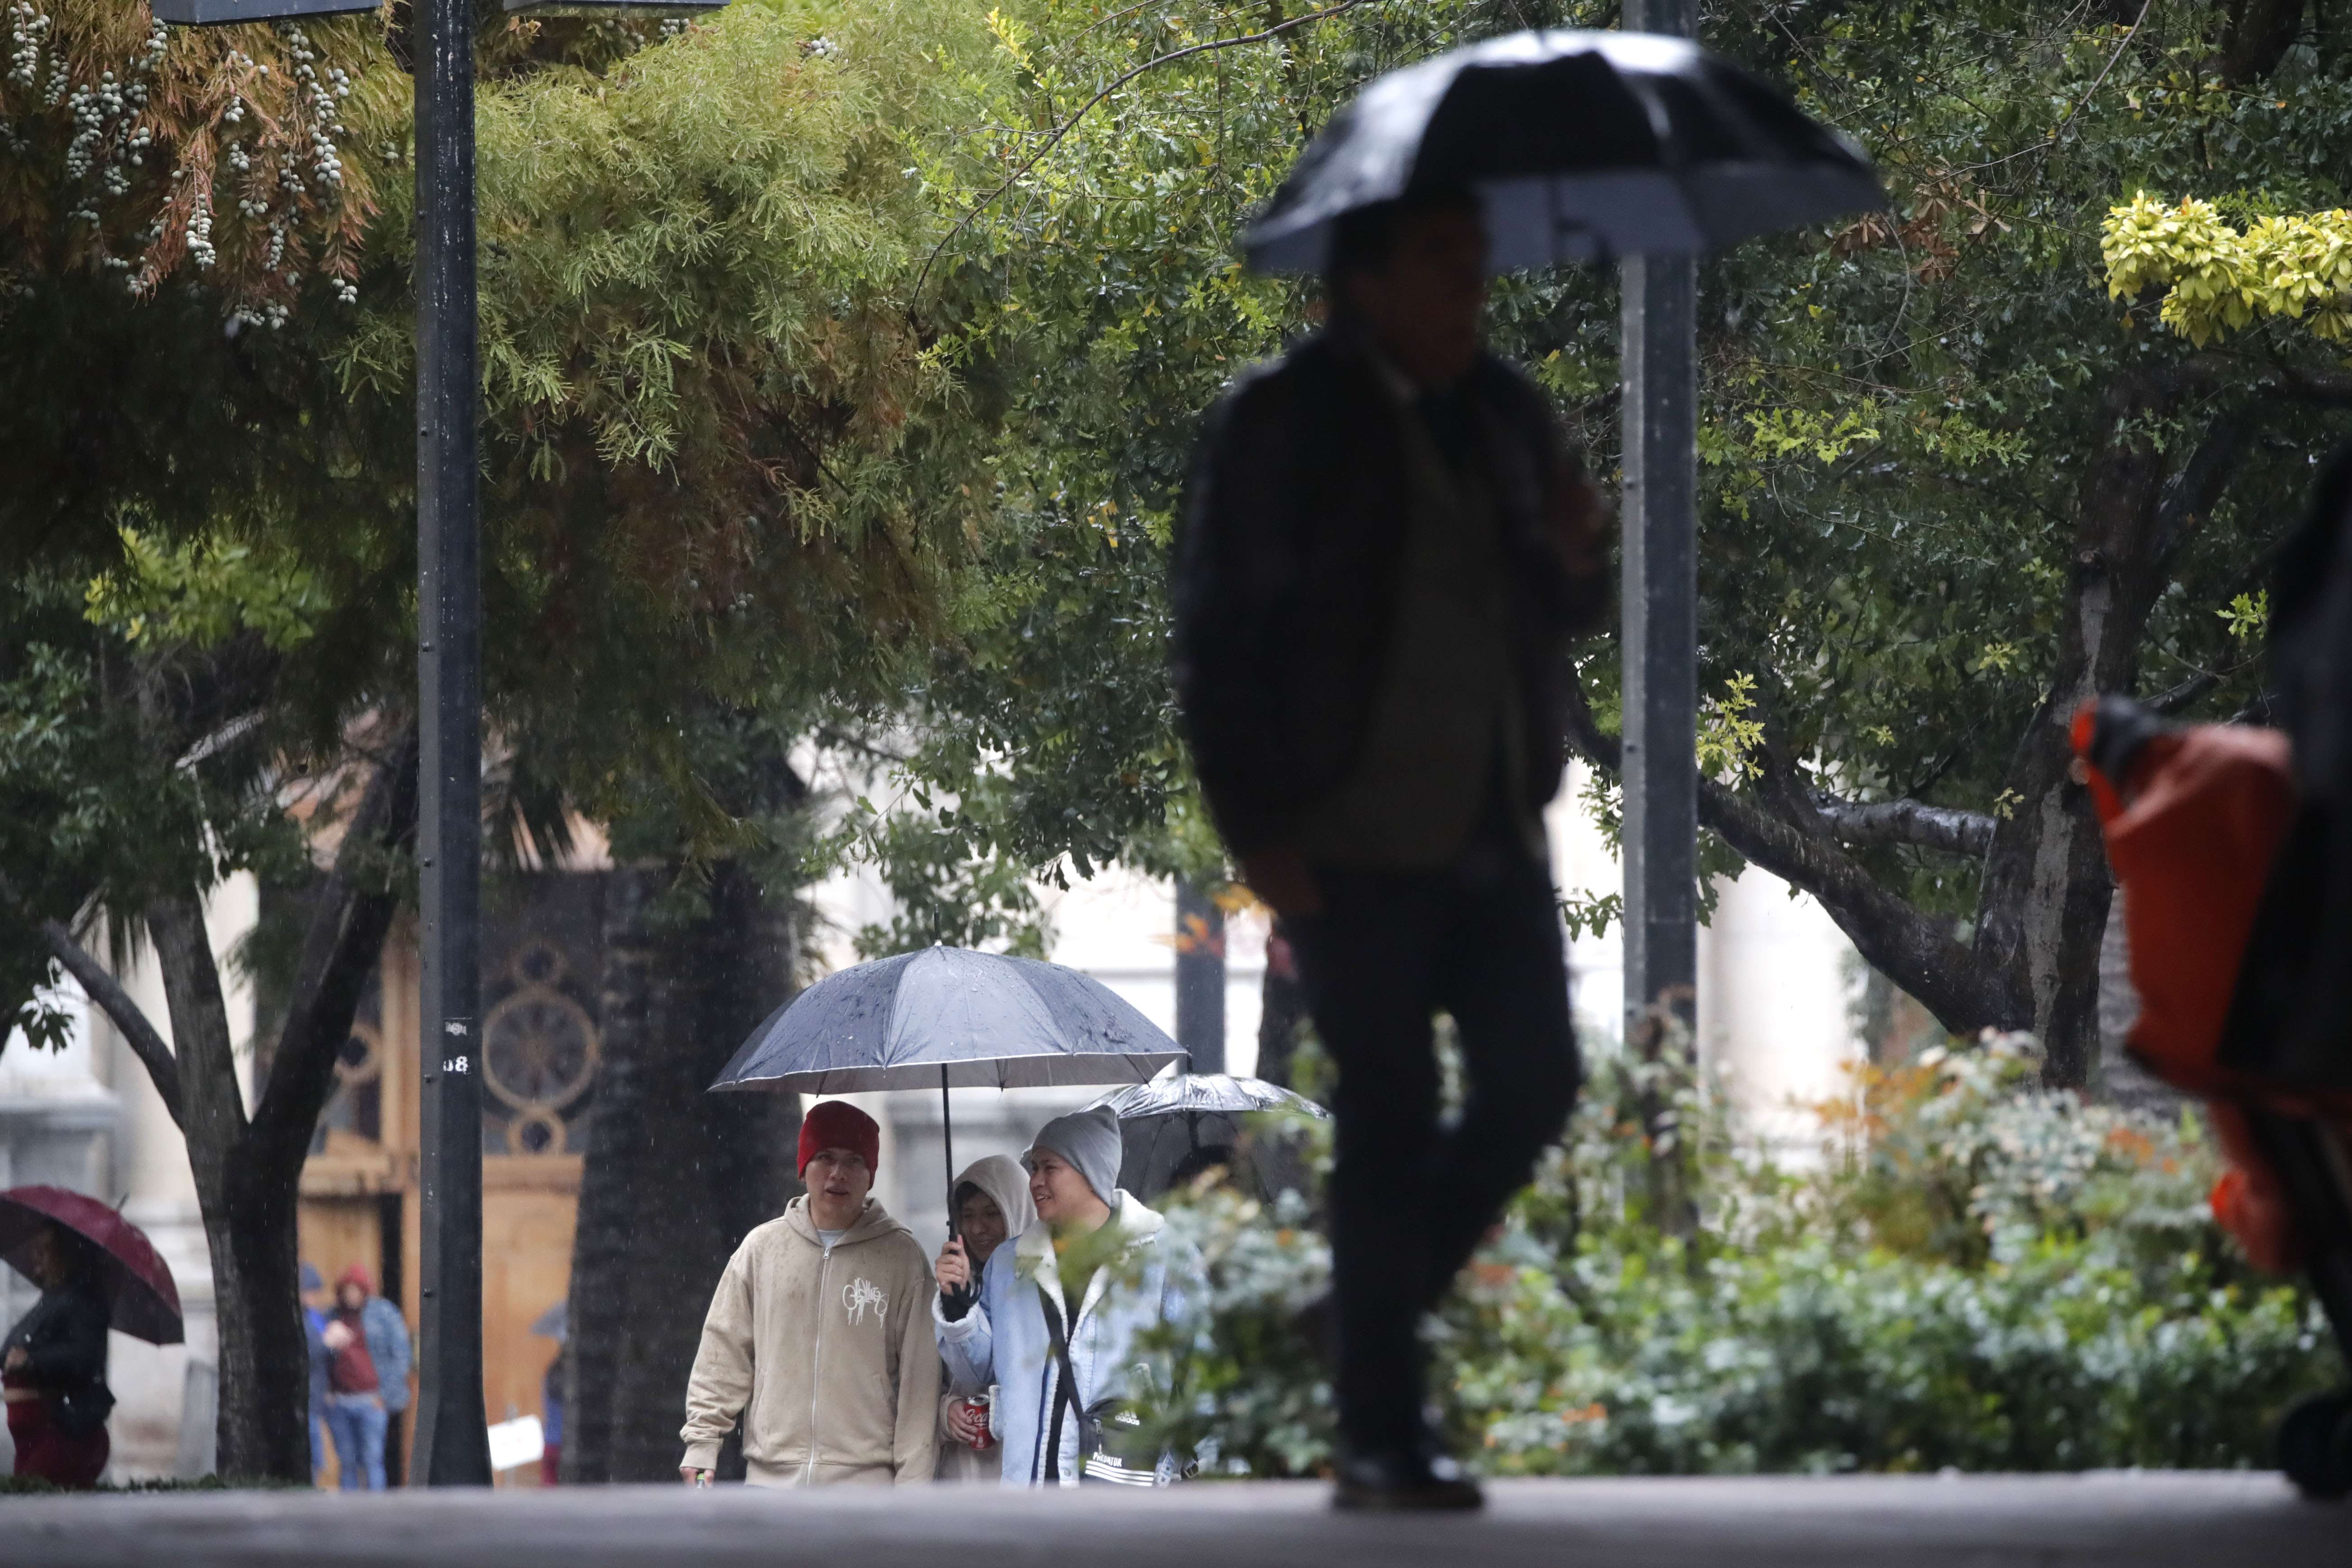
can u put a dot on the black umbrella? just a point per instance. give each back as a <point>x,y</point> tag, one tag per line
<point>1582,146</point>
<point>950,1016</point>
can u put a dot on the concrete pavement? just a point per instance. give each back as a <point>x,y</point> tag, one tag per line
<point>2140,1520</point>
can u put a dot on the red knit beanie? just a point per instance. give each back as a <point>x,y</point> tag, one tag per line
<point>357,1274</point>
<point>837,1124</point>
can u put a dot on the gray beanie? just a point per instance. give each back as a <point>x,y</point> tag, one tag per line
<point>1088,1141</point>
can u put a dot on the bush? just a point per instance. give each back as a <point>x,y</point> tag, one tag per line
<point>1975,1273</point>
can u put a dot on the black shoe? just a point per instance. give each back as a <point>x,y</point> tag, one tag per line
<point>1401,1480</point>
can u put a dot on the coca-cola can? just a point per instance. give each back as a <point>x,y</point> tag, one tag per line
<point>984,1404</point>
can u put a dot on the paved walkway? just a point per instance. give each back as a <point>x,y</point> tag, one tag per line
<point>2130,1520</point>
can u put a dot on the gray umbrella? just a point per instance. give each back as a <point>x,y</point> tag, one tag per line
<point>1582,146</point>
<point>956,1019</point>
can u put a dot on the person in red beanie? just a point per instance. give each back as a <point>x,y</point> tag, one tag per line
<point>819,1336</point>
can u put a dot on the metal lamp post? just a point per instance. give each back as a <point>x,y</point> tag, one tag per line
<point>1659,594</point>
<point>453,1445</point>
<point>452,1433</point>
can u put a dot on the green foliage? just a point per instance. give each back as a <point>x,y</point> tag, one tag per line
<point>722,471</point>
<point>1897,412</point>
<point>1970,1272</point>
<point>202,592</point>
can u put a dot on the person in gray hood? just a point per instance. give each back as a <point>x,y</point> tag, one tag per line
<point>993,1208</point>
<point>1095,1274</point>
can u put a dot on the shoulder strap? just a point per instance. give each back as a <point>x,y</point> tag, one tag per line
<point>1060,1344</point>
<point>1067,1392</point>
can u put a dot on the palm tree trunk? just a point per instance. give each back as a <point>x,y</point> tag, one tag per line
<point>675,1177</point>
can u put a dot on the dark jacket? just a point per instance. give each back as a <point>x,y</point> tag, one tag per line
<point>1286,580</point>
<point>63,1338</point>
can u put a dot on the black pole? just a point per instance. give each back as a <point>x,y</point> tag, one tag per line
<point>451,1438</point>
<point>1200,978</point>
<point>946,1146</point>
<point>1661,607</point>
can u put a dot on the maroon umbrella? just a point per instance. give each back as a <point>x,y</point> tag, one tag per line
<point>141,1297</point>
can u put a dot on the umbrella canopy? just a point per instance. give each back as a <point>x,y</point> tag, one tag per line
<point>1582,146</point>
<point>1199,1094</point>
<point>142,1300</point>
<point>949,1018</point>
<point>1179,1119</point>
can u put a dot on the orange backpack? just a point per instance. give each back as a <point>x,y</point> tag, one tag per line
<point>2194,820</point>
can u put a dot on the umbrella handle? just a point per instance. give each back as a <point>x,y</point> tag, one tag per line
<point>947,1142</point>
<point>946,1146</point>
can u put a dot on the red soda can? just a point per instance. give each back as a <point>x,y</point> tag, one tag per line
<point>978,1404</point>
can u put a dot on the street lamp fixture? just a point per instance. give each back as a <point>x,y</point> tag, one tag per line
<point>227,13</point>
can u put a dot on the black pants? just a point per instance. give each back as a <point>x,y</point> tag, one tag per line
<point>1410,1201</point>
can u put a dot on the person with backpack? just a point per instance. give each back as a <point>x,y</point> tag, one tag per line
<point>1060,1316</point>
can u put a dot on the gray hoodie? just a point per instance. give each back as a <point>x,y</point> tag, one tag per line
<point>828,1357</point>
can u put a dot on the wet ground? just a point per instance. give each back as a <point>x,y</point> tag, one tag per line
<point>2141,1520</point>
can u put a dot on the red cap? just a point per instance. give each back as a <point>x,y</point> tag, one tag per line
<point>357,1274</point>
<point>837,1124</point>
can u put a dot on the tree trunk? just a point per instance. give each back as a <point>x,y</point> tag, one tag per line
<point>248,1211</point>
<point>248,1169</point>
<point>675,1177</point>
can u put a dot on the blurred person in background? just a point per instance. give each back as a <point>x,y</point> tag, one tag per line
<point>367,1377</point>
<point>53,1366</point>
<point>316,1305</point>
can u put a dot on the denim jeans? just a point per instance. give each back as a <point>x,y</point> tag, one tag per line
<point>357,1422</point>
<point>317,1427</point>
<point>1409,1199</point>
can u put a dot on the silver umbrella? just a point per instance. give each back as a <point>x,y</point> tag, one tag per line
<point>1177,1099</point>
<point>1582,146</point>
<point>956,1019</point>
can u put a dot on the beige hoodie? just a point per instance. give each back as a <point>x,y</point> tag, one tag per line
<point>828,1358</point>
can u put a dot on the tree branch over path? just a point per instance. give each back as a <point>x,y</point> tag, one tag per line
<point>1915,823</point>
<point>354,912</point>
<point>1915,951</point>
<point>1066,126</point>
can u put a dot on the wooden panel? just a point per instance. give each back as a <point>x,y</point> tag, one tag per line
<point>526,1269</point>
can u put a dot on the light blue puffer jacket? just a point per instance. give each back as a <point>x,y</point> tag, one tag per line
<point>1004,1340</point>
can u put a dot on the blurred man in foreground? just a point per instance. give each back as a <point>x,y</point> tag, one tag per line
<point>1387,548</point>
